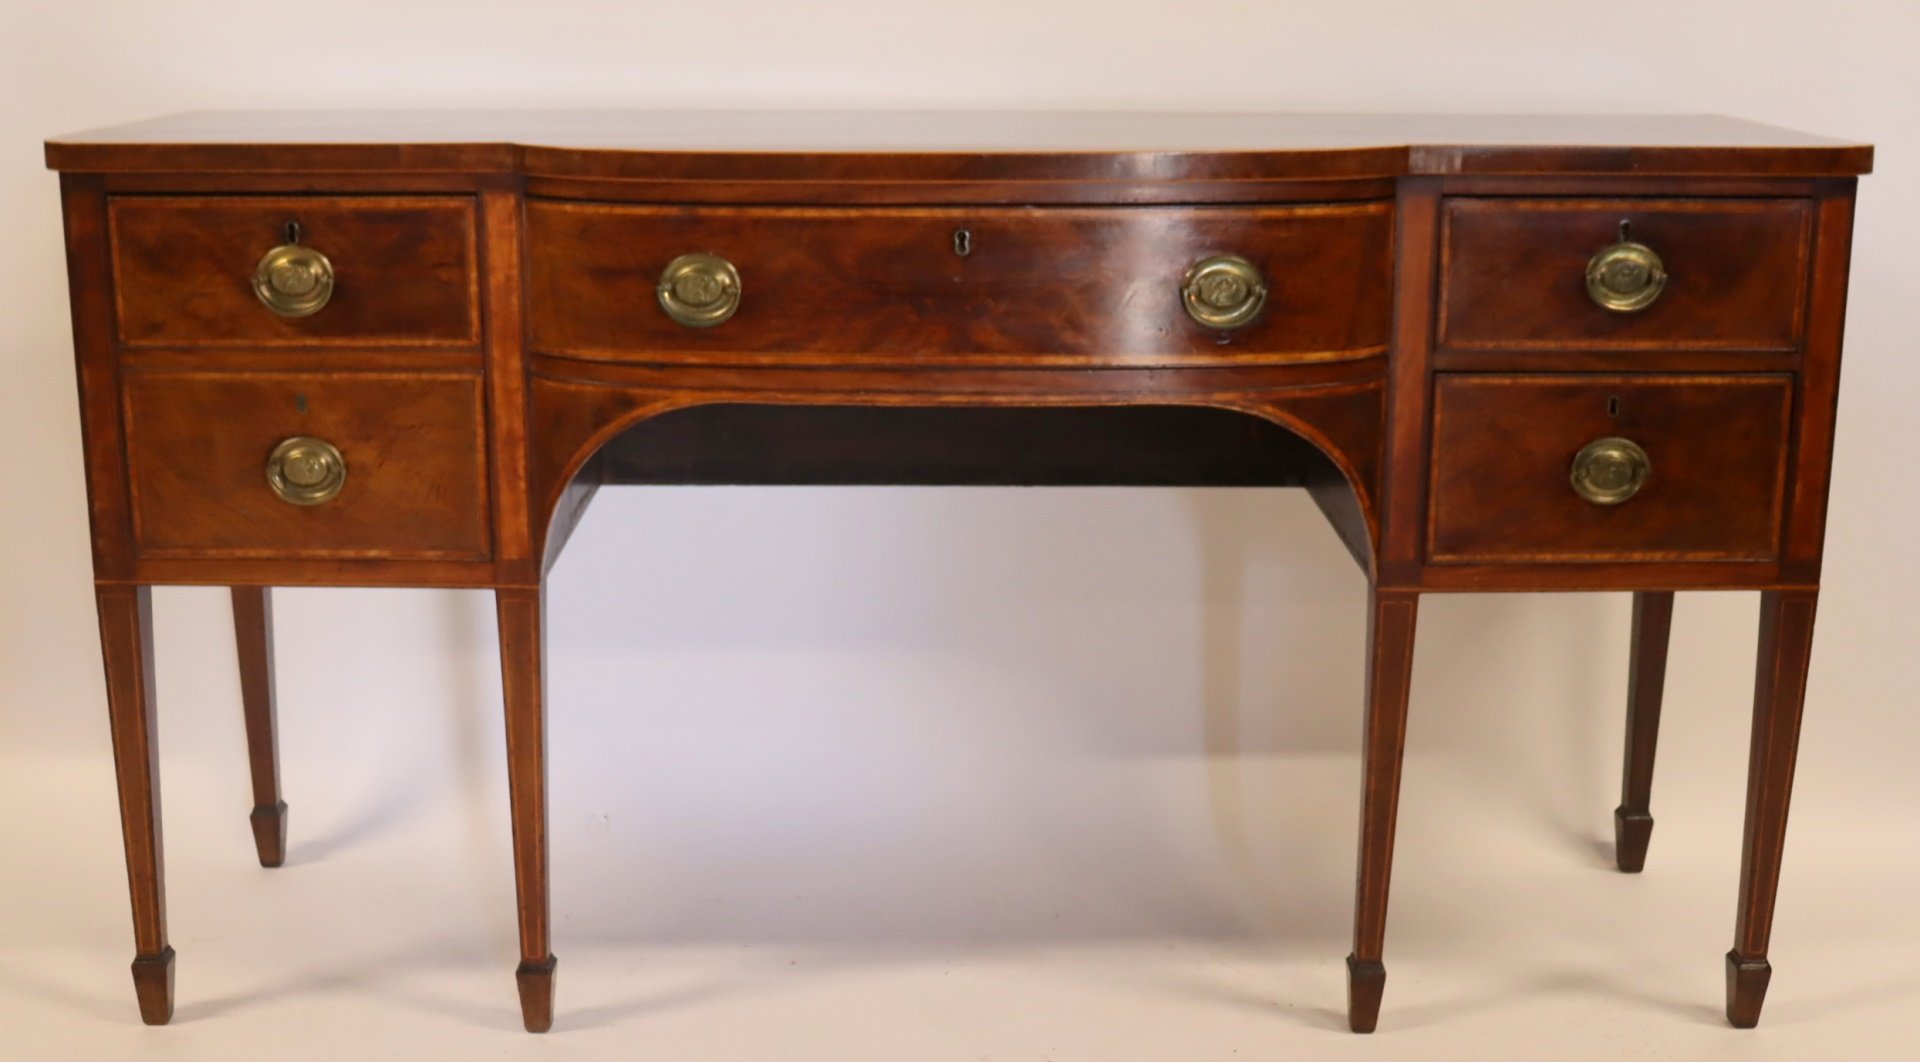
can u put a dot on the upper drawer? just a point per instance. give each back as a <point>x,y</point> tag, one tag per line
<point>401,270</point>
<point>1514,274</point>
<point>1008,286</point>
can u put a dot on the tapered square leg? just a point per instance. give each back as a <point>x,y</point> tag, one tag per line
<point>522,616</point>
<point>1780,686</point>
<point>1646,685</point>
<point>1391,621</point>
<point>126,647</point>
<point>253,640</point>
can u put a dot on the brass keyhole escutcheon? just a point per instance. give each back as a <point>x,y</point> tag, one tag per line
<point>305,470</point>
<point>1625,277</point>
<point>1609,471</point>
<point>699,290</point>
<point>293,280</point>
<point>1223,292</point>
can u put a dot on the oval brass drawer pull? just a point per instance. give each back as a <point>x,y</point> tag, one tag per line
<point>305,470</point>
<point>1609,471</point>
<point>293,280</point>
<point>1625,277</point>
<point>699,290</point>
<point>1225,291</point>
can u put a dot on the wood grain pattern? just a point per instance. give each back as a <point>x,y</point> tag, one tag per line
<point>1818,384</point>
<point>500,213</point>
<point>253,641</point>
<point>522,615</point>
<point>1513,274</point>
<point>1646,688</point>
<point>1427,367</point>
<point>742,190</point>
<point>414,445</point>
<point>1391,619</point>
<point>126,644</point>
<point>863,147</point>
<point>1059,286</point>
<point>1779,697</point>
<point>97,375</point>
<point>264,570</point>
<point>1503,446</point>
<point>404,270</point>
<point>1405,427</point>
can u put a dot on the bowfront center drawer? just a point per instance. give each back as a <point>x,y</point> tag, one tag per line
<point>1630,275</point>
<point>1577,468</point>
<point>1048,285</point>
<point>285,271</point>
<point>296,465</point>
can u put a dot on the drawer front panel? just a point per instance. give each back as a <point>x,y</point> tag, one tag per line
<point>1505,447</point>
<point>1514,274</point>
<point>199,447</point>
<point>403,270</point>
<point>1051,286</point>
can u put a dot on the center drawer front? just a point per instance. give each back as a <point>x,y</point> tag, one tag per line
<point>403,269</point>
<point>1504,448</point>
<point>199,445</point>
<point>1514,274</point>
<point>1052,285</point>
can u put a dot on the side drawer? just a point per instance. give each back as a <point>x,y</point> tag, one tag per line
<point>413,449</point>
<point>1514,274</point>
<point>401,270</point>
<point>1505,449</point>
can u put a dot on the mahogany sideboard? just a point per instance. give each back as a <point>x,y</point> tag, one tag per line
<point>1503,354</point>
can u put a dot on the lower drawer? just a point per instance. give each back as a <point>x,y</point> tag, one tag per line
<point>340,465</point>
<point>1577,468</point>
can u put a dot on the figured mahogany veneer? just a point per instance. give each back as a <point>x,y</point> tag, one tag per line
<point>416,484</point>
<point>1058,286</point>
<point>1737,270</point>
<point>1502,447</point>
<point>407,271</point>
<point>958,299</point>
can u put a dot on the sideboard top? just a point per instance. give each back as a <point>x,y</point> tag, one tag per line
<point>950,145</point>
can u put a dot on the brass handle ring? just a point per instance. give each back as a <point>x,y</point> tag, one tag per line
<point>699,290</point>
<point>293,281</point>
<point>304,470</point>
<point>1609,471</point>
<point>1625,277</point>
<point>1224,292</point>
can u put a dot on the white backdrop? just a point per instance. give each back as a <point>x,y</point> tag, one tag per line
<point>913,722</point>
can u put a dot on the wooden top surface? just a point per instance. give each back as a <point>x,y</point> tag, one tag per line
<point>928,145</point>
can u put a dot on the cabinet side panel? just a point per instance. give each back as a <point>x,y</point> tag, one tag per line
<point>90,292</point>
<point>1812,469</point>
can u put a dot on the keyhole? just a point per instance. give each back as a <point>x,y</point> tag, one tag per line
<point>1613,405</point>
<point>962,242</point>
<point>299,403</point>
<point>293,232</point>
